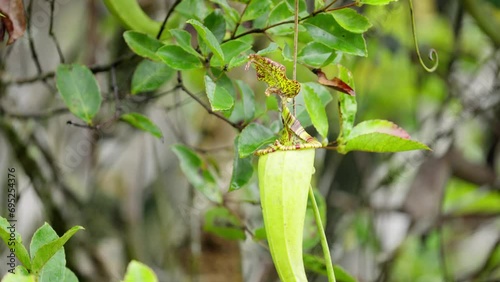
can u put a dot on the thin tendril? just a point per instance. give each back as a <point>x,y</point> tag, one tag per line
<point>433,55</point>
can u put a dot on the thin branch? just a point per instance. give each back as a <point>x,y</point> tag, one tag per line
<point>86,126</point>
<point>210,111</point>
<point>44,115</point>
<point>487,266</point>
<point>52,34</point>
<point>164,23</point>
<point>260,30</point>
<point>34,54</point>
<point>295,42</point>
<point>340,7</point>
<point>114,86</point>
<point>93,69</point>
<point>206,107</point>
<point>329,5</point>
<point>485,19</point>
<point>239,21</point>
<point>211,150</point>
<point>442,250</point>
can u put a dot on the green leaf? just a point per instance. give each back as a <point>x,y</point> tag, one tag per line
<point>224,81</point>
<point>242,170</point>
<point>463,198</point>
<point>318,4</point>
<point>54,268</point>
<point>259,234</point>
<point>143,123</point>
<point>252,138</point>
<point>279,14</point>
<point>20,269</point>
<point>317,265</point>
<point>316,110</point>
<point>9,277</point>
<point>231,49</point>
<point>192,9</point>
<point>208,37</point>
<point>248,100</point>
<point>350,20</point>
<point>316,55</point>
<point>16,244</point>
<point>255,9</point>
<point>323,28</point>
<point>374,2</point>
<point>232,16</point>
<point>234,48</point>
<point>183,39</point>
<point>69,276</point>
<point>177,58</point>
<point>272,103</point>
<point>142,44</point>
<point>379,126</point>
<point>347,104</point>
<point>150,75</point>
<point>287,53</point>
<point>269,49</point>
<point>219,97</point>
<point>342,275</point>
<point>380,143</point>
<point>79,90</point>
<point>323,94</point>
<point>237,61</point>
<point>137,271</point>
<point>43,253</point>
<point>495,3</point>
<point>379,136</point>
<point>216,24</point>
<point>302,7</point>
<point>221,222</point>
<point>197,173</point>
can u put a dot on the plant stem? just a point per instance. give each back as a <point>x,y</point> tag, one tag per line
<point>295,39</point>
<point>295,46</point>
<point>324,243</point>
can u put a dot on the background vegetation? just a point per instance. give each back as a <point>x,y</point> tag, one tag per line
<point>414,216</point>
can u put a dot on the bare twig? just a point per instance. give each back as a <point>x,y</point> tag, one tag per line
<point>52,34</point>
<point>206,107</point>
<point>114,86</point>
<point>44,115</point>
<point>94,69</point>
<point>34,54</point>
<point>239,21</point>
<point>261,30</point>
<point>164,23</point>
<point>210,111</point>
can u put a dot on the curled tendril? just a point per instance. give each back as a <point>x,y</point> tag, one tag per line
<point>433,55</point>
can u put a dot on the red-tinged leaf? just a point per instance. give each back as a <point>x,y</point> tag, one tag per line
<point>379,126</point>
<point>12,19</point>
<point>379,136</point>
<point>335,83</point>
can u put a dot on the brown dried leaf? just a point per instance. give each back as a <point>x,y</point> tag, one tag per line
<point>12,19</point>
<point>335,83</point>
